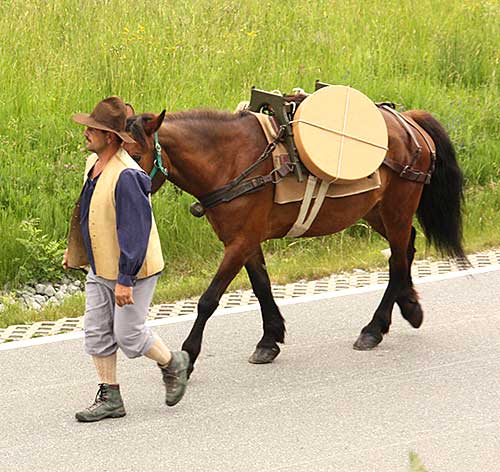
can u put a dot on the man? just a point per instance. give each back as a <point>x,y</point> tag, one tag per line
<point>113,231</point>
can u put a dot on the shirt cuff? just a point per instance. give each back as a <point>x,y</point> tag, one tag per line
<point>127,280</point>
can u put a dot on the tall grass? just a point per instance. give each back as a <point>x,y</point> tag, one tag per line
<point>62,57</point>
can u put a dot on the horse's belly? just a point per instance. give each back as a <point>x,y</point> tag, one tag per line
<point>335,215</point>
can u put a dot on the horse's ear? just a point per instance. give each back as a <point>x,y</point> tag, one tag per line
<point>161,117</point>
<point>154,124</point>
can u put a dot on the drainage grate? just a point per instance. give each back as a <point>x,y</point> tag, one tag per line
<point>335,282</point>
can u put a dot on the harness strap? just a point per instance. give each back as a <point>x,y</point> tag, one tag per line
<point>239,186</point>
<point>297,229</point>
<point>406,171</point>
<point>228,193</point>
<point>404,122</point>
<point>302,224</point>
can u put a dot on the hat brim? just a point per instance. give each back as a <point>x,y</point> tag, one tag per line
<point>86,120</point>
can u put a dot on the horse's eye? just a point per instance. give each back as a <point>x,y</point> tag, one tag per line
<point>136,158</point>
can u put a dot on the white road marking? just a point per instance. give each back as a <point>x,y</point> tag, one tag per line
<point>253,307</point>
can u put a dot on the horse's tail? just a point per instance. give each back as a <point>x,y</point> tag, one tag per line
<point>440,208</point>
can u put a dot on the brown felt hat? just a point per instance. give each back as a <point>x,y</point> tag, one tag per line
<point>109,114</point>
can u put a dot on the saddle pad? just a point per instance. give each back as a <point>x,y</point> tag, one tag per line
<point>289,190</point>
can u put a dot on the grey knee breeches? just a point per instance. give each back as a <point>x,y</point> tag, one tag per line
<point>109,327</point>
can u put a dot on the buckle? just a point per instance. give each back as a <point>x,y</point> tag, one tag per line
<point>277,175</point>
<point>415,175</point>
<point>405,171</point>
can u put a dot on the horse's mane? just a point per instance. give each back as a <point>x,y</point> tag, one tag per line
<point>135,124</point>
<point>205,114</point>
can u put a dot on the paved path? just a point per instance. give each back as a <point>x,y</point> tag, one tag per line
<point>320,407</point>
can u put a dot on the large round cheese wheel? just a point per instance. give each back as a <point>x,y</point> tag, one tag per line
<point>340,134</point>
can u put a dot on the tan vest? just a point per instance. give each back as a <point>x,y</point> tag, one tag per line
<point>102,225</point>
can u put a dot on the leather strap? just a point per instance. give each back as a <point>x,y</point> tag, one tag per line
<point>228,193</point>
<point>241,186</point>
<point>231,191</point>
<point>406,171</point>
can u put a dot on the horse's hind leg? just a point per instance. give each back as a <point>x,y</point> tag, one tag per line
<point>273,324</point>
<point>399,234</point>
<point>408,301</point>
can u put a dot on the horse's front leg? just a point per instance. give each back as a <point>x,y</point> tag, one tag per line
<point>235,256</point>
<point>273,323</point>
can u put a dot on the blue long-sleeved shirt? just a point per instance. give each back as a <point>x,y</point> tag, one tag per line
<point>133,221</point>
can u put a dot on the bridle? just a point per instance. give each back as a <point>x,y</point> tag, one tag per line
<point>157,162</point>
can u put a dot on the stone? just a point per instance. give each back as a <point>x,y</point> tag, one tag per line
<point>40,288</point>
<point>60,295</point>
<point>29,289</point>
<point>36,306</point>
<point>49,291</point>
<point>40,299</point>
<point>28,299</point>
<point>77,283</point>
<point>73,289</point>
<point>386,253</point>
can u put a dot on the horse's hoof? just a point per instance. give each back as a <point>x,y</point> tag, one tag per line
<point>264,355</point>
<point>367,341</point>
<point>413,313</point>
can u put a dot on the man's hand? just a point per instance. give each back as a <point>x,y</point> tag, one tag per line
<point>65,260</point>
<point>123,295</point>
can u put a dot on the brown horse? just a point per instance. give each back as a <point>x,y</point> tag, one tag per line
<point>204,150</point>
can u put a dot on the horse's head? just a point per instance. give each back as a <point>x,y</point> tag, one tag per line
<point>143,128</point>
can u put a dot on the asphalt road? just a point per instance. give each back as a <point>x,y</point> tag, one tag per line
<point>320,407</point>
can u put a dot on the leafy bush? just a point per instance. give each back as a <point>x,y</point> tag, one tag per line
<point>42,257</point>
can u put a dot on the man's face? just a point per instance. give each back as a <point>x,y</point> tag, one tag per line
<point>96,139</point>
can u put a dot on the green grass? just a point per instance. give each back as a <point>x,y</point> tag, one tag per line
<point>15,314</point>
<point>58,58</point>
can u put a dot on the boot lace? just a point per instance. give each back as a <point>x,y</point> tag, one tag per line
<point>100,398</point>
<point>170,377</point>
